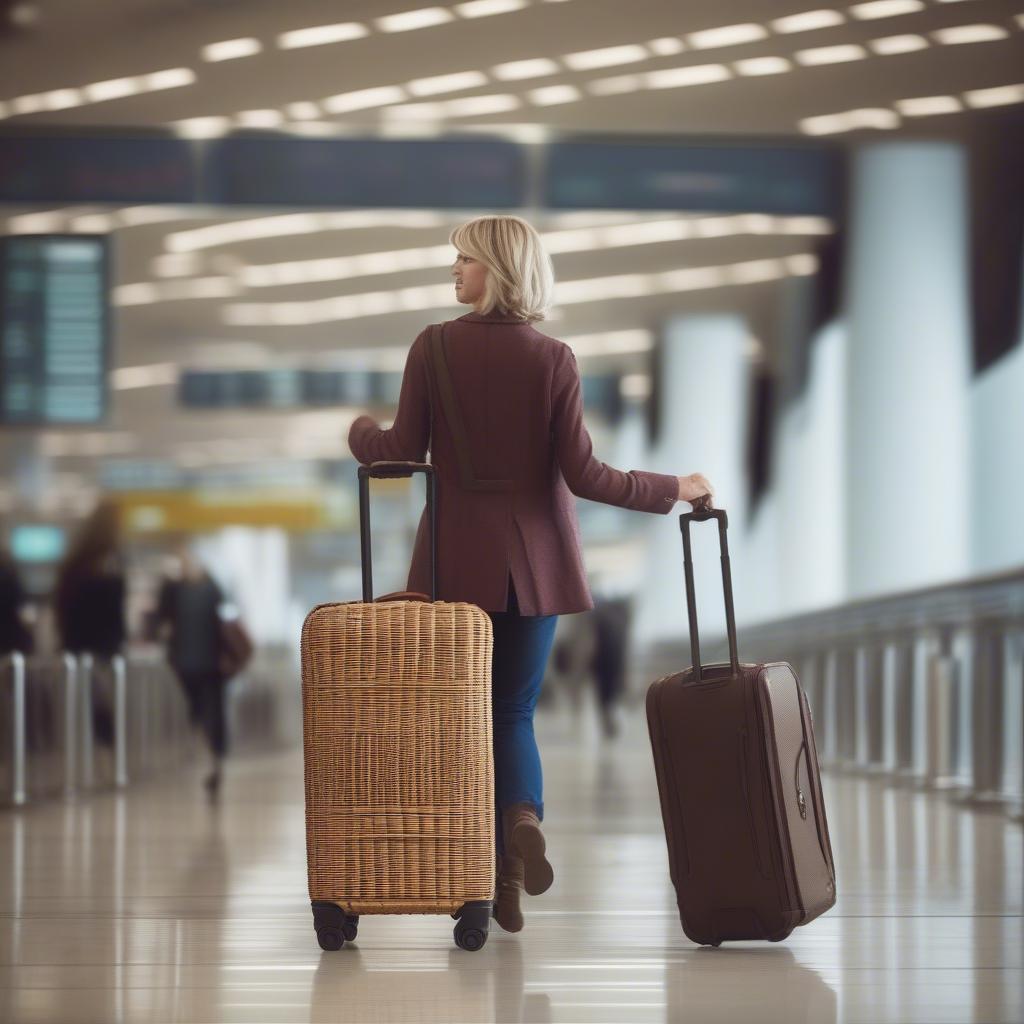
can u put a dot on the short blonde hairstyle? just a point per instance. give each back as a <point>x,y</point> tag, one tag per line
<point>521,280</point>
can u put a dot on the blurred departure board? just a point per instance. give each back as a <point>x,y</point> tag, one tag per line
<point>693,175</point>
<point>54,329</point>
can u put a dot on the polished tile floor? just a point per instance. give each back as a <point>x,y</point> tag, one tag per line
<point>152,906</point>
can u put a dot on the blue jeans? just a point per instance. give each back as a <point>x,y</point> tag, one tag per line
<point>522,644</point>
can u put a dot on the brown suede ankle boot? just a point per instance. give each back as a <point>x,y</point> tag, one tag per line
<point>524,839</point>
<point>509,889</point>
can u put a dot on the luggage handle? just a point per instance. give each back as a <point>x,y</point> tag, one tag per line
<point>392,471</point>
<point>404,595</point>
<point>702,511</point>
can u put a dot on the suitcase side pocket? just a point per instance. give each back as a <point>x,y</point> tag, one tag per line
<point>757,840</point>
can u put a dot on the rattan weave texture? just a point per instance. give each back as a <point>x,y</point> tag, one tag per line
<point>398,762</point>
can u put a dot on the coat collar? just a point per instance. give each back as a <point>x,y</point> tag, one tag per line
<point>496,316</point>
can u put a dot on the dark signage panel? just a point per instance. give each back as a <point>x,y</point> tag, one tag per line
<point>80,169</point>
<point>433,173</point>
<point>54,329</point>
<point>740,178</point>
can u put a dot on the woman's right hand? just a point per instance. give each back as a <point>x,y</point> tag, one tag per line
<point>695,486</point>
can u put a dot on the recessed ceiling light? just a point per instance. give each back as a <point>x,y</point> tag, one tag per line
<point>364,99</point>
<point>727,35</point>
<point>232,49</point>
<point>112,89</point>
<point>486,8</point>
<point>762,66</point>
<point>551,95</point>
<point>409,21</point>
<point>666,46</point>
<point>202,127</point>
<point>959,34</point>
<point>172,78</point>
<point>809,21</point>
<point>516,70</point>
<point>446,83</point>
<point>474,106</point>
<point>321,35</point>
<point>889,46</point>
<point>820,55</point>
<point>999,96</point>
<point>304,110</point>
<point>609,56</point>
<point>614,86</point>
<point>698,74</point>
<point>866,117</point>
<point>925,106</point>
<point>885,9</point>
<point>259,118</point>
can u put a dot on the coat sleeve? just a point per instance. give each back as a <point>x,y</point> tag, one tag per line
<point>407,438</point>
<point>586,476</point>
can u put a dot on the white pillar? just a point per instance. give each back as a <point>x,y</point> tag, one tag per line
<point>908,482</point>
<point>703,394</point>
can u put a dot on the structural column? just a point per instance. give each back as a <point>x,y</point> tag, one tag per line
<point>908,373</point>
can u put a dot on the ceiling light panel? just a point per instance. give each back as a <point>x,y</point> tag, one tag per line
<point>447,83</point>
<point>364,99</point>
<point>609,56</point>
<point>821,55</point>
<point>926,106</point>
<point>885,9</point>
<point>727,35</point>
<point>488,8</point>
<point>698,74</point>
<point>809,21</point>
<point>617,85</point>
<point>666,46</point>
<point>890,46</point>
<point>410,21</point>
<point>552,95</point>
<point>959,34</point>
<point>997,97</point>
<point>517,70</point>
<point>322,35</point>
<point>755,66</point>
<point>232,49</point>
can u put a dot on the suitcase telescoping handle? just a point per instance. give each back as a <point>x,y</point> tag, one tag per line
<point>702,511</point>
<point>391,471</point>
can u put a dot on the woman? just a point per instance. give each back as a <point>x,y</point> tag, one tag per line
<point>188,611</point>
<point>514,551</point>
<point>90,602</point>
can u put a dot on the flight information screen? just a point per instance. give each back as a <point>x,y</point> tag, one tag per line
<point>54,329</point>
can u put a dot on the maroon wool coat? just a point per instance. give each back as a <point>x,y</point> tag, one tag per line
<point>520,396</point>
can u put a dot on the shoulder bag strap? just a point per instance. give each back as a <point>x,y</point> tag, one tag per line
<point>443,380</point>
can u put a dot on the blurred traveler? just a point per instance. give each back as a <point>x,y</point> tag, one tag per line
<point>504,401</point>
<point>612,617</point>
<point>89,603</point>
<point>201,649</point>
<point>15,634</point>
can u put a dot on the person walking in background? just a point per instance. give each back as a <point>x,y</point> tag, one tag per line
<point>15,634</point>
<point>189,613</point>
<point>508,463</point>
<point>89,601</point>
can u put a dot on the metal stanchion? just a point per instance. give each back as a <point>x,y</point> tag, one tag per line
<point>119,668</point>
<point>85,667</point>
<point>18,789</point>
<point>890,692</point>
<point>830,708</point>
<point>70,722</point>
<point>987,670</point>
<point>1013,721</point>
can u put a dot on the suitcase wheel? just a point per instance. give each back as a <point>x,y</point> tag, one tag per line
<point>473,920</point>
<point>333,926</point>
<point>470,939</point>
<point>330,939</point>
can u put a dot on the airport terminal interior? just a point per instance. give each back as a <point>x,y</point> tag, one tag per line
<point>787,246</point>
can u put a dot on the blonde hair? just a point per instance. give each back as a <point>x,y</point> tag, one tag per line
<point>521,280</point>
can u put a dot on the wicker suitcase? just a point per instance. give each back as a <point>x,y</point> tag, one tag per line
<point>741,798</point>
<point>399,775</point>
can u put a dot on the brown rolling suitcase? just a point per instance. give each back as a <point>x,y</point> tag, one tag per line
<point>399,773</point>
<point>748,844</point>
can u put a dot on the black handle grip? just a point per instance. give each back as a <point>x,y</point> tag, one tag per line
<point>701,513</point>
<point>391,471</point>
